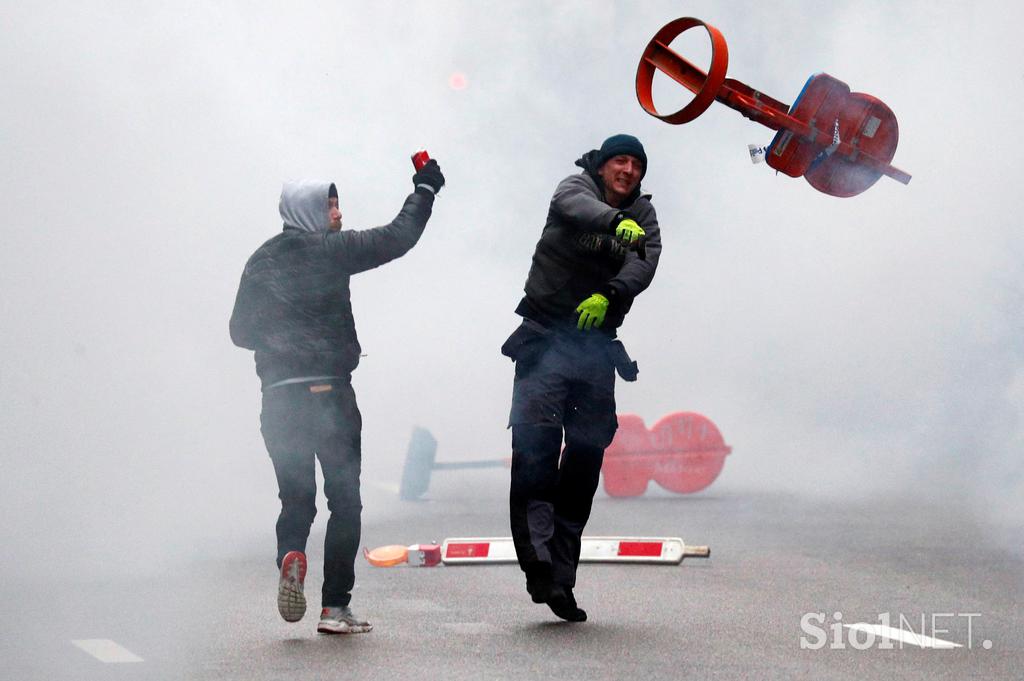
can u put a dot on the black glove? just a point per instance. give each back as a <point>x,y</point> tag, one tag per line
<point>429,178</point>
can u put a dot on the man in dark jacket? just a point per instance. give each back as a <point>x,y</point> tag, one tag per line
<point>294,309</point>
<point>597,252</point>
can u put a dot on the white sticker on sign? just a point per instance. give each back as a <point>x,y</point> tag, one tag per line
<point>871,126</point>
<point>756,153</point>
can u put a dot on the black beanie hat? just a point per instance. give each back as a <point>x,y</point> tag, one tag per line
<point>622,144</point>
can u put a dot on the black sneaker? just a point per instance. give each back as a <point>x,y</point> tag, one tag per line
<point>538,582</point>
<point>563,603</point>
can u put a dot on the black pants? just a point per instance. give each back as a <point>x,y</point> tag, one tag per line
<point>301,422</point>
<point>567,387</point>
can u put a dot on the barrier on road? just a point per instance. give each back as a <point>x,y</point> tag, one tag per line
<point>417,555</point>
<point>670,550</point>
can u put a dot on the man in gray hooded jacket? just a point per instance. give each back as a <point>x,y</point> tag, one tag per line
<point>599,249</point>
<point>294,309</point>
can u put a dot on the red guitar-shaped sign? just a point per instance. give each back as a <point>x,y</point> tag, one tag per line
<point>841,142</point>
<point>683,452</point>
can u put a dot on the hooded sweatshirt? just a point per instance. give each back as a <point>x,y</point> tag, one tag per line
<point>303,205</point>
<point>293,305</point>
<point>578,255</point>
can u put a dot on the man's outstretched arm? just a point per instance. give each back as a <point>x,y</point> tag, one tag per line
<point>361,250</point>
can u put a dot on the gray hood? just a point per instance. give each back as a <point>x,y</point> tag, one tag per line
<point>304,205</point>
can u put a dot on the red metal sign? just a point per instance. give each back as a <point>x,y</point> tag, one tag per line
<point>841,142</point>
<point>684,452</point>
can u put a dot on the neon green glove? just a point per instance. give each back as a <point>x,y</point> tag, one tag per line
<point>592,311</point>
<point>628,231</point>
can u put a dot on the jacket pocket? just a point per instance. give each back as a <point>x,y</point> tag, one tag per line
<point>626,367</point>
<point>526,343</point>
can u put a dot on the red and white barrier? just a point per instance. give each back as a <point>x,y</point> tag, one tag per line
<point>671,550</point>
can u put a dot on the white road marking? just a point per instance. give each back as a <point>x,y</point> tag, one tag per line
<point>919,640</point>
<point>105,650</point>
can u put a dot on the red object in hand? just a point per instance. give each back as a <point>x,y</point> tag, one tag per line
<point>419,159</point>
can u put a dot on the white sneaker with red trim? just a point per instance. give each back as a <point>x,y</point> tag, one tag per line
<point>341,621</point>
<point>291,602</point>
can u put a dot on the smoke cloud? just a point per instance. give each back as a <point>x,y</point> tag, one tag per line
<point>844,347</point>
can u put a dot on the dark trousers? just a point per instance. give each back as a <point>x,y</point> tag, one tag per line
<point>300,423</point>
<point>567,387</point>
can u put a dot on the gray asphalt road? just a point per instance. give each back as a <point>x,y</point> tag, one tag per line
<point>736,615</point>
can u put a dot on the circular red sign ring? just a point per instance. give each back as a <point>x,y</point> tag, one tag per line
<point>712,80</point>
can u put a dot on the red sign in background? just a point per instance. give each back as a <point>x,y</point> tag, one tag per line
<point>683,452</point>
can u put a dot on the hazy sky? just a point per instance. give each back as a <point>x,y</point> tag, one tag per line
<point>864,345</point>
